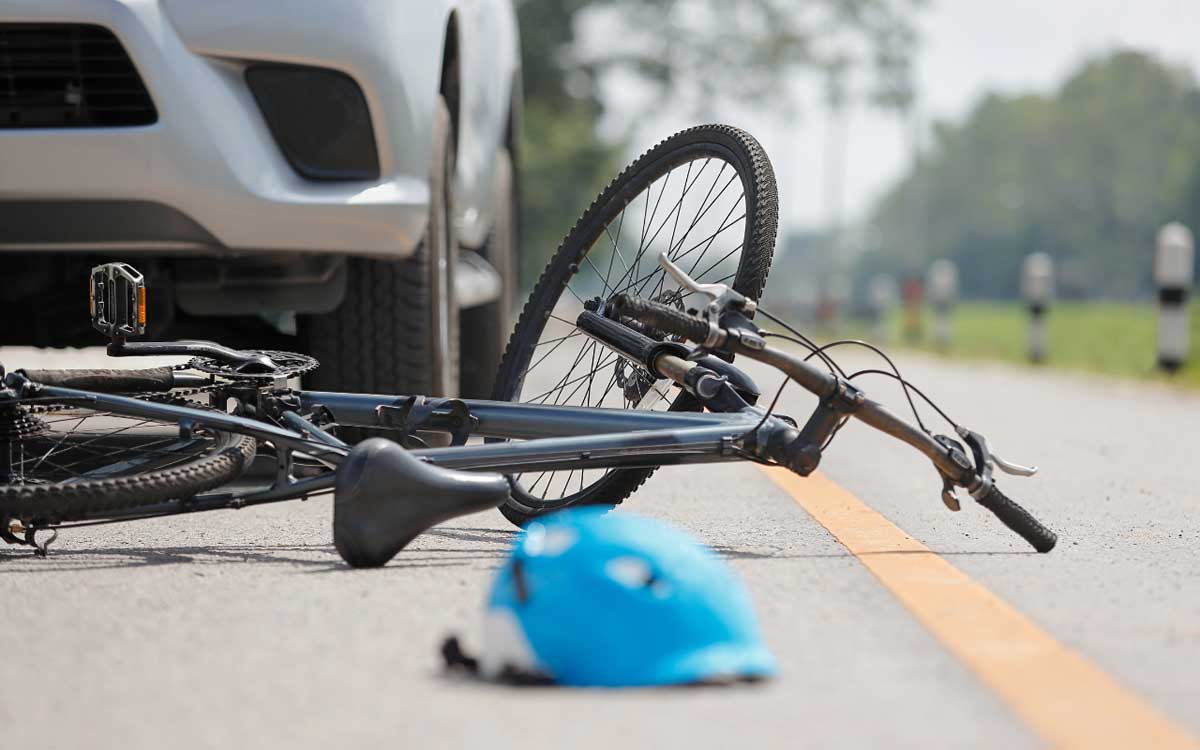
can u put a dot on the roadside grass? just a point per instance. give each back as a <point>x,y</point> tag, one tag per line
<point>1102,337</point>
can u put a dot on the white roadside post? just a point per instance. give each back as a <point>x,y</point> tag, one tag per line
<point>1174,264</point>
<point>882,295</point>
<point>1037,287</point>
<point>942,283</point>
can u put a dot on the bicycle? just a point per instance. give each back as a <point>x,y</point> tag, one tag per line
<point>229,429</point>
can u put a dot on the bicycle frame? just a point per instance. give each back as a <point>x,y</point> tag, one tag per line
<point>543,438</point>
<point>567,437</point>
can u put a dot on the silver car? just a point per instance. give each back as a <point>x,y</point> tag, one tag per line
<point>337,171</point>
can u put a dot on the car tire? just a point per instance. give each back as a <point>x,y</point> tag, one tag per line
<point>397,329</point>
<point>486,328</point>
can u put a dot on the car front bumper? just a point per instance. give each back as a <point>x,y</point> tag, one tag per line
<point>210,157</point>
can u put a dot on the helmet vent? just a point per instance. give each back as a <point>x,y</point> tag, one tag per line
<point>635,573</point>
<point>549,542</point>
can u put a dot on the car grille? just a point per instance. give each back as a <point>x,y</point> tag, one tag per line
<point>68,76</point>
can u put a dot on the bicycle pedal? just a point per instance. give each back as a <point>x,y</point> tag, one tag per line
<point>117,300</point>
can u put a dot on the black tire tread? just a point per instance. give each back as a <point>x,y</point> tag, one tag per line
<point>391,300</point>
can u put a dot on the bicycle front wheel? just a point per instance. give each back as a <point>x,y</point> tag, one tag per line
<point>707,198</point>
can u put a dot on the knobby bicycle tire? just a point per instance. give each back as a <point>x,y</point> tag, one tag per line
<point>752,166</point>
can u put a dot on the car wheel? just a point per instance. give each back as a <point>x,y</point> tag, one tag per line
<point>486,328</point>
<point>397,329</point>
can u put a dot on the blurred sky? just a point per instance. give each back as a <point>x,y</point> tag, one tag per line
<point>968,47</point>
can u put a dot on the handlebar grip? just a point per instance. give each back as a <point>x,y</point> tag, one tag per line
<point>1018,519</point>
<point>668,319</point>
<point>618,336</point>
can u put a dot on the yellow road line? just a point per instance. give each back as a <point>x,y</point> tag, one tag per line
<point>1064,698</point>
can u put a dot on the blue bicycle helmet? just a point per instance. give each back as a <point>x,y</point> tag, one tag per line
<point>589,598</point>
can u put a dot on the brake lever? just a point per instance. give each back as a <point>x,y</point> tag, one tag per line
<point>1016,470</point>
<point>987,459</point>
<point>722,295</point>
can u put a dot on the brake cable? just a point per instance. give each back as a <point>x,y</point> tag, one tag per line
<point>905,385</point>
<point>844,342</point>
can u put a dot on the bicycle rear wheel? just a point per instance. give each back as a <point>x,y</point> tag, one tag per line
<point>67,463</point>
<point>706,196</point>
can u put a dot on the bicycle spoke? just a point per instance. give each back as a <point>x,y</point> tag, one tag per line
<point>60,442</point>
<point>572,291</point>
<point>674,211</point>
<point>587,395</point>
<point>552,350</point>
<point>560,384</point>
<point>114,432</point>
<point>642,282</point>
<point>567,481</point>
<point>85,444</point>
<point>570,335</point>
<point>540,477</point>
<point>567,400</point>
<point>172,440</point>
<point>603,279</point>
<point>675,226</point>
<point>706,206</point>
<point>723,258</point>
<point>642,246</point>
<point>708,241</point>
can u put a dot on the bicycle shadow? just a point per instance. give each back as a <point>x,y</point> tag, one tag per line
<point>440,547</point>
<point>429,551</point>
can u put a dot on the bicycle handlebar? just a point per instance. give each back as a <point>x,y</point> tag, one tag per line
<point>826,384</point>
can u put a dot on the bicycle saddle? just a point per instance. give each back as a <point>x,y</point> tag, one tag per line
<point>384,497</point>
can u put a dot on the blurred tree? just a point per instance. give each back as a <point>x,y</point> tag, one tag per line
<point>704,51</point>
<point>694,53</point>
<point>563,163</point>
<point>1087,175</point>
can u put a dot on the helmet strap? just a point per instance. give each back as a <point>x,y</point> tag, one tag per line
<point>457,660</point>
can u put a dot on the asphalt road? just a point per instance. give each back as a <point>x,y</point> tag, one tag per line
<point>243,629</point>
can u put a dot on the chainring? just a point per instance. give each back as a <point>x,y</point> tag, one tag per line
<point>290,365</point>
